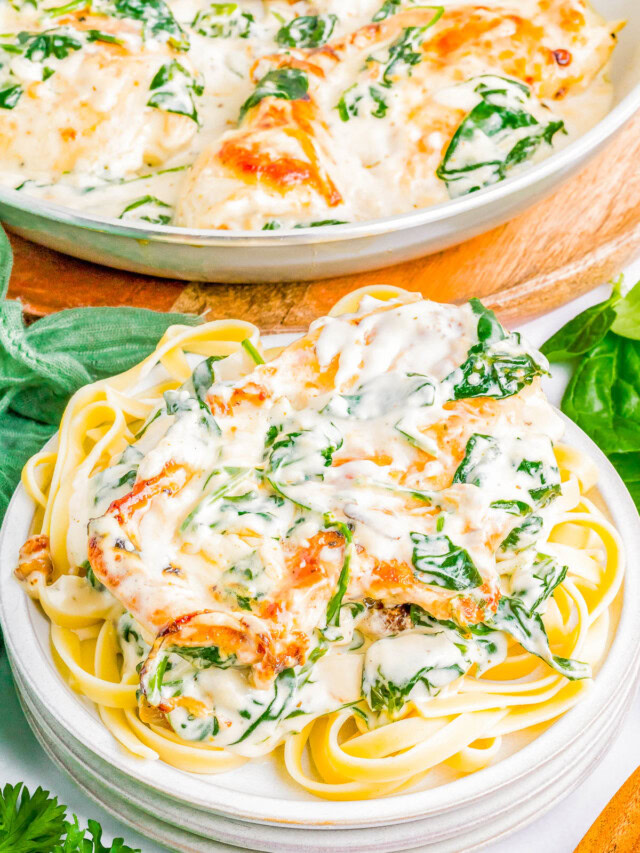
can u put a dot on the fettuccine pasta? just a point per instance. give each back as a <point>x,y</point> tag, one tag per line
<point>369,549</point>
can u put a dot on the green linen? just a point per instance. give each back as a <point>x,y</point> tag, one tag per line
<point>43,364</point>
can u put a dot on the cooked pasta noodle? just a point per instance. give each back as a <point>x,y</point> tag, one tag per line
<point>375,737</point>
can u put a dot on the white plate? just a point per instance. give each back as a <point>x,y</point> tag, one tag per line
<point>192,830</point>
<point>260,791</point>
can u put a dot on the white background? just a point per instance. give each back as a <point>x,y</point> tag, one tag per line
<point>558,831</point>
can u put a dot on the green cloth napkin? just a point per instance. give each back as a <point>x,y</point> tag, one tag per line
<point>43,364</point>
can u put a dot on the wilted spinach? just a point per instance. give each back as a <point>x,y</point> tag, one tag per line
<point>497,366</point>
<point>499,124</point>
<point>528,629</point>
<point>402,55</point>
<point>440,562</point>
<point>223,20</point>
<point>174,89</point>
<point>148,208</point>
<point>307,31</point>
<point>289,84</point>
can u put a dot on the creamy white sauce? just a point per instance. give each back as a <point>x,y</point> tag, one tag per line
<point>113,153</point>
<point>392,457</point>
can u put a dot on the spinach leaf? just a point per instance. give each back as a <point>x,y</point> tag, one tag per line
<point>307,31</point>
<point>203,657</point>
<point>92,579</point>
<point>298,456</point>
<point>583,332</point>
<point>439,562</point>
<point>528,629</point>
<point>37,47</point>
<point>223,20</point>
<point>603,396</point>
<point>335,603</point>
<point>289,84</point>
<point>546,478</point>
<point>404,51</point>
<point>148,208</point>
<point>203,378</point>
<point>512,507</point>
<point>388,8</point>
<point>533,585</point>
<point>497,366</point>
<point>174,90</point>
<point>523,536</point>
<point>178,402</point>
<point>402,55</point>
<point>383,694</point>
<point>627,322</point>
<point>382,394</point>
<point>489,329</point>
<point>498,370</point>
<point>283,690</point>
<point>224,480</point>
<point>480,453</point>
<point>157,19</point>
<point>501,128</point>
<point>361,95</point>
<point>10,94</point>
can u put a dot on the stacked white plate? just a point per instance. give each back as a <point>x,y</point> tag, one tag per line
<point>255,807</point>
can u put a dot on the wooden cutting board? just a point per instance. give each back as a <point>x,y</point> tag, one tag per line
<point>565,245</point>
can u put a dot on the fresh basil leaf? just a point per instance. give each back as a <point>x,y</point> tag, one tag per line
<point>440,562</point>
<point>627,321</point>
<point>174,89</point>
<point>494,127</point>
<point>528,629</point>
<point>307,31</point>
<point>289,84</point>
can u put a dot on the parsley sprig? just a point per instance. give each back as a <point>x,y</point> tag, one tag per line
<point>36,823</point>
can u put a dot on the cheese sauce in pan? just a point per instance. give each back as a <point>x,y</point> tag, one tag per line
<point>268,115</point>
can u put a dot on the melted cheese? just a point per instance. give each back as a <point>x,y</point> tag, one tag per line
<point>256,114</point>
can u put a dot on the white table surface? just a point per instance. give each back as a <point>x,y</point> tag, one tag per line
<point>558,831</point>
